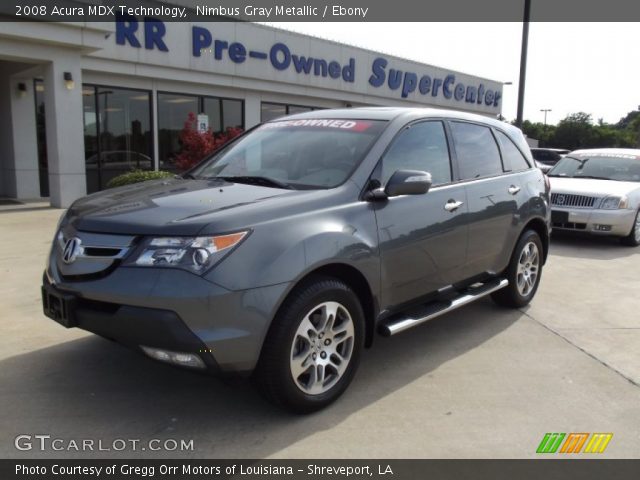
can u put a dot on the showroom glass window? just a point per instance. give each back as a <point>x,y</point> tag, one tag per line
<point>41,136</point>
<point>117,133</point>
<point>271,111</point>
<point>477,151</point>
<point>174,110</point>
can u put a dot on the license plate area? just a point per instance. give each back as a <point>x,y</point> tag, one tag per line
<point>559,217</point>
<point>59,307</point>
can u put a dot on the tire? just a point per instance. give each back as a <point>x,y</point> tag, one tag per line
<point>633,239</point>
<point>298,352</point>
<point>524,272</point>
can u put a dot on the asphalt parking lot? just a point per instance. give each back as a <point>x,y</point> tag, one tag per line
<point>482,382</point>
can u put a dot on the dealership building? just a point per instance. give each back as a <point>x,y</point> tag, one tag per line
<point>83,102</point>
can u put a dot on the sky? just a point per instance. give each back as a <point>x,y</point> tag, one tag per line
<point>571,67</point>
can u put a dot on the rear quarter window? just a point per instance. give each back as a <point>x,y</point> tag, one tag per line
<point>512,157</point>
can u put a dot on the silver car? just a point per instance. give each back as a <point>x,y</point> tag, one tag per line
<point>542,166</point>
<point>598,191</point>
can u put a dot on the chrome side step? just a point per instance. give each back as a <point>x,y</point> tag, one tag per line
<point>431,311</point>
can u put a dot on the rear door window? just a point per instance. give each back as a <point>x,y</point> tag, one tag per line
<point>476,150</point>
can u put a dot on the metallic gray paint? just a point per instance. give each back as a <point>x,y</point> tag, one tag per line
<point>405,247</point>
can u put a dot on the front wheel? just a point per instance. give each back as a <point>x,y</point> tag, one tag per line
<point>633,239</point>
<point>313,348</point>
<point>524,272</point>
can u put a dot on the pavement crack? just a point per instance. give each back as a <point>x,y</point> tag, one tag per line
<point>605,364</point>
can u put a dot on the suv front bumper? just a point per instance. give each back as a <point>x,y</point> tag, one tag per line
<point>132,326</point>
<point>168,309</point>
<point>595,221</point>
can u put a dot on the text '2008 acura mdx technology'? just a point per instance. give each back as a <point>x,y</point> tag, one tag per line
<point>285,252</point>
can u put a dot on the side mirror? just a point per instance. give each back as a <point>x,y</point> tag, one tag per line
<point>408,182</point>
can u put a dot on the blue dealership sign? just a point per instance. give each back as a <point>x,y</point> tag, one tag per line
<point>149,34</point>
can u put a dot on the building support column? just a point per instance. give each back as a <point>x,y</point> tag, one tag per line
<point>65,136</point>
<point>25,144</point>
<point>7,184</point>
<point>251,110</point>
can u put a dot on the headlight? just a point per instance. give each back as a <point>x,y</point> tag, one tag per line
<point>196,254</point>
<point>613,203</point>
<point>62,220</point>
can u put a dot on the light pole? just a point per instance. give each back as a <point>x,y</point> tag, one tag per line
<point>545,110</point>
<point>523,61</point>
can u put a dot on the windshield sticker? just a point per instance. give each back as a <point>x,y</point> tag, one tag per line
<point>608,155</point>
<point>351,125</point>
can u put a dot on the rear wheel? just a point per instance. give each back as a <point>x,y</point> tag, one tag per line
<point>633,239</point>
<point>313,348</point>
<point>524,272</point>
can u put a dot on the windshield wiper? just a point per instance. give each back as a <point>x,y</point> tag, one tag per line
<point>190,176</point>
<point>257,180</point>
<point>595,177</point>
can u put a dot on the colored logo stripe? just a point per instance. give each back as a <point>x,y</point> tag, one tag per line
<point>574,443</point>
<point>550,443</point>
<point>598,442</point>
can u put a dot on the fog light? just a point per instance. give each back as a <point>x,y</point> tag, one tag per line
<point>157,354</point>
<point>177,358</point>
<point>603,228</point>
<point>187,360</point>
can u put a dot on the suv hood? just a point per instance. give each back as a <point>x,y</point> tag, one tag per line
<point>591,186</point>
<point>174,207</point>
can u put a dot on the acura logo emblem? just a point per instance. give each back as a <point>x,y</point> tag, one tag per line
<point>71,250</point>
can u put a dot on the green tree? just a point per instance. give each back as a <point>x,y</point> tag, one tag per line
<point>629,120</point>
<point>578,130</point>
<point>632,129</point>
<point>541,132</point>
<point>575,131</point>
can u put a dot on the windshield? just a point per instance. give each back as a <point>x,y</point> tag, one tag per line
<point>309,153</point>
<point>620,167</point>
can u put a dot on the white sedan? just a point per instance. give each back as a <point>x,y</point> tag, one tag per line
<point>598,191</point>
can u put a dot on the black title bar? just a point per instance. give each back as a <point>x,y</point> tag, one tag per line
<point>540,469</point>
<point>323,10</point>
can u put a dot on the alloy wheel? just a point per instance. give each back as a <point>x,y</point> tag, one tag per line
<point>322,348</point>
<point>528,268</point>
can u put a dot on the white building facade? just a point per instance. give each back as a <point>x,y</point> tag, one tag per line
<point>82,102</point>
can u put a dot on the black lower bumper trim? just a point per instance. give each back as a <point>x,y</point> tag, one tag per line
<point>135,326</point>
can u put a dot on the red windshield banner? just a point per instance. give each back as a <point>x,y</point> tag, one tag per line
<point>350,125</point>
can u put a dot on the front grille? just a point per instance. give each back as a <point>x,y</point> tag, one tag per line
<point>93,253</point>
<point>103,252</point>
<point>570,225</point>
<point>571,200</point>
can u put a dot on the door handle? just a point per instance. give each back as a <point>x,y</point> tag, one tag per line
<point>513,189</point>
<point>452,205</point>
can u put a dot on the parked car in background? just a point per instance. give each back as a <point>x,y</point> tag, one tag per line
<point>542,166</point>
<point>121,160</point>
<point>598,191</point>
<point>286,251</point>
<point>548,156</point>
